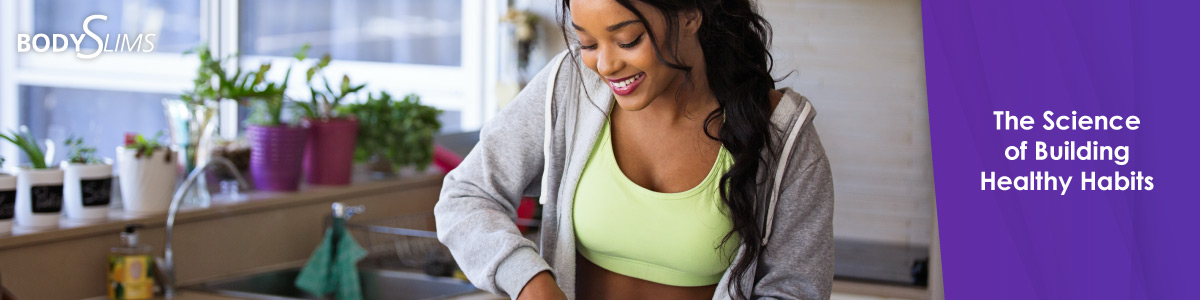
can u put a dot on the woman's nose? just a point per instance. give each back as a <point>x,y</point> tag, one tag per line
<point>607,63</point>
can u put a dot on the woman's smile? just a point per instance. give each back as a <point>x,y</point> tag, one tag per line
<point>626,85</point>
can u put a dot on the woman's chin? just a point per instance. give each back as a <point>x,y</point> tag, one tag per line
<point>632,102</point>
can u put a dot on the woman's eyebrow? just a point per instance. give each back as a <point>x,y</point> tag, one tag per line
<point>617,26</point>
<point>610,28</point>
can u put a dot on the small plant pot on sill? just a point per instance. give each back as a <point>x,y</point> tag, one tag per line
<point>329,152</point>
<point>39,198</point>
<point>87,190</point>
<point>147,182</point>
<point>8,201</point>
<point>276,156</point>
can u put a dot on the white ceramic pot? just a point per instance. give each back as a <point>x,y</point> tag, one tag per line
<point>8,201</point>
<point>87,190</point>
<point>39,198</point>
<point>148,182</point>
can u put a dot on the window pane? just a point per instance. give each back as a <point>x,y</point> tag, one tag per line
<point>425,32</point>
<point>101,117</point>
<point>175,23</point>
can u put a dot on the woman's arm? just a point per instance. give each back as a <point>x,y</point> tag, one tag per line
<point>479,199</point>
<point>797,262</point>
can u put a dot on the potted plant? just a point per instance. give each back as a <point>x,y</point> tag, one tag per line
<point>39,188</point>
<point>87,182</point>
<point>276,147</point>
<point>8,199</point>
<point>394,133</point>
<point>147,174</point>
<point>329,153</point>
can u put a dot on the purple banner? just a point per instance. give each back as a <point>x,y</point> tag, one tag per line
<point>1036,237</point>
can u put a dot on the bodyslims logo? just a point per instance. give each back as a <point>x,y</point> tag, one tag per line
<point>58,42</point>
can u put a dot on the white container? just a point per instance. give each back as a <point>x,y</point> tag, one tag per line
<point>87,190</point>
<point>39,198</point>
<point>148,182</point>
<point>8,201</point>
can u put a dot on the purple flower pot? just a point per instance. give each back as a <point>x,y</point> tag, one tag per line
<point>276,154</point>
<point>329,157</point>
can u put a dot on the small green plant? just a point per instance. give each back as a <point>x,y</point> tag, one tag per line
<point>267,97</point>
<point>214,82</point>
<point>324,100</point>
<point>80,153</point>
<point>146,147</point>
<point>401,131</point>
<point>24,139</point>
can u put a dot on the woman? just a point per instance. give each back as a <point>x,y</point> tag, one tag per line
<point>669,166</point>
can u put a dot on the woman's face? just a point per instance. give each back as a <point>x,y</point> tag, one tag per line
<point>616,46</point>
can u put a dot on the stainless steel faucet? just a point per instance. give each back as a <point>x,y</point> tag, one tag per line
<point>168,261</point>
<point>341,211</point>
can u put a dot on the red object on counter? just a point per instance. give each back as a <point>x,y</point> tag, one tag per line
<point>445,159</point>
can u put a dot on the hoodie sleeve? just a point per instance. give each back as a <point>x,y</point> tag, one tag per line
<point>479,198</point>
<point>797,262</point>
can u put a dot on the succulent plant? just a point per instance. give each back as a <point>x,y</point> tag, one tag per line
<point>214,82</point>
<point>144,146</point>
<point>24,139</point>
<point>80,153</point>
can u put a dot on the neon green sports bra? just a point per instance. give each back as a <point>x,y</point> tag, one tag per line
<point>668,238</point>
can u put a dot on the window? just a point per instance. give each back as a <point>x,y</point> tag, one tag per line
<point>420,32</point>
<point>435,48</point>
<point>102,116</point>
<point>176,23</point>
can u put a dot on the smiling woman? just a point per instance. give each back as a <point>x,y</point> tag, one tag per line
<point>671,166</point>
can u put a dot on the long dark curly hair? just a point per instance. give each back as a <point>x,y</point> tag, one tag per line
<point>735,39</point>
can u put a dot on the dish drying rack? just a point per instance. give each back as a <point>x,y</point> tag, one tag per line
<point>409,241</point>
<point>406,241</point>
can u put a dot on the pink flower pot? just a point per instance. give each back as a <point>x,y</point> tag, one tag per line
<point>276,154</point>
<point>329,154</point>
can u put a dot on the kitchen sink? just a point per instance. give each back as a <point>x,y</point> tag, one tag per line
<point>376,284</point>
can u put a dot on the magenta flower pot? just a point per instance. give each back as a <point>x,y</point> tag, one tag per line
<point>276,154</point>
<point>329,154</point>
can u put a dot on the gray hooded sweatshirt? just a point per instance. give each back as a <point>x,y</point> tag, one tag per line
<point>538,145</point>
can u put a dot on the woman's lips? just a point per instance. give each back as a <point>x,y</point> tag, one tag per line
<point>625,86</point>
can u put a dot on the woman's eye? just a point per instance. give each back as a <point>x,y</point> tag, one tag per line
<point>588,47</point>
<point>633,43</point>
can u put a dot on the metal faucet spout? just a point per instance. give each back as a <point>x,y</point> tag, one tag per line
<point>168,259</point>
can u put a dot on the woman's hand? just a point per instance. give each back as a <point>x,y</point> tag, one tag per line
<point>541,286</point>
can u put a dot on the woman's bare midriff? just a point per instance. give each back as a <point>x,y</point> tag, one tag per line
<point>594,282</point>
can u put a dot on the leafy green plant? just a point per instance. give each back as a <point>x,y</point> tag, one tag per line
<point>80,153</point>
<point>267,98</point>
<point>325,100</point>
<point>214,82</point>
<point>146,147</point>
<point>24,139</point>
<point>401,131</point>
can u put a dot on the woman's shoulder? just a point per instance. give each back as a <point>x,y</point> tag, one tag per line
<point>791,112</point>
<point>794,136</point>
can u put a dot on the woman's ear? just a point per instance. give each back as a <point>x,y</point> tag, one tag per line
<point>690,22</point>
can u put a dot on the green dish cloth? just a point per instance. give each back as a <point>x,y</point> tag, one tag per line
<point>333,269</point>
